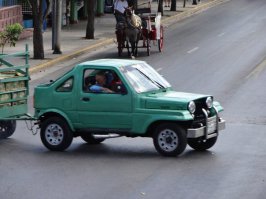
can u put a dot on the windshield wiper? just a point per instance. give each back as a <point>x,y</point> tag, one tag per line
<point>153,81</point>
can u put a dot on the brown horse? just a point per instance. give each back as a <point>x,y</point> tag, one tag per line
<point>120,36</point>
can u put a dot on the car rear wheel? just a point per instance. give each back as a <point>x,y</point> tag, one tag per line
<point>169,139</point>
<point>200,144</point>
<point>56,134</point>
<point>90,139</point>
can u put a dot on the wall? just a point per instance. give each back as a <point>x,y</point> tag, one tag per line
<point>10,15</point>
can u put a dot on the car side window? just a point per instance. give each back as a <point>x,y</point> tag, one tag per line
<point>66,86</point>
<point>88,79</point>
<point>102,81</point>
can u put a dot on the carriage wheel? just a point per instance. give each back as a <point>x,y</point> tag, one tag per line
<point>148,47</point>
<point>160,41</point>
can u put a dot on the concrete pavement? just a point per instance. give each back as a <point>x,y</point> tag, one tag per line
<point>73,43</point>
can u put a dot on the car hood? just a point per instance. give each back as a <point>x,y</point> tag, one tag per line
<point>171,100</point>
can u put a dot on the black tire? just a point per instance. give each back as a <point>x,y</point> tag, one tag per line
<point>56,134</point>
<point>7,128</point>
<point>199,144</point>
<point>90,139</point>
<point>169,139</point>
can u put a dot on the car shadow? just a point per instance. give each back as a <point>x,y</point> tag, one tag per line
<point>110,150</point>
<point>103,150</point>
<point>107,150</point>
<point>192,154</point>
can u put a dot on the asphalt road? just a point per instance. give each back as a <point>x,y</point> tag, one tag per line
<point>222,52</point>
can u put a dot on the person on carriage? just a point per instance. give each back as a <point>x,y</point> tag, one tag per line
<point>120,7</point>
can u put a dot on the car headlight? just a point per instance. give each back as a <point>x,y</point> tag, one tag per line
<point>209,102</point>
<point>192,107</point>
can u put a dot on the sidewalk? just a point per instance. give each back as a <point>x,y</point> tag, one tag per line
<point>74,44</point>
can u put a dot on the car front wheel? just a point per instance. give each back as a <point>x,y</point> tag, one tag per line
<point>169,139</point>
<point>56,134</point>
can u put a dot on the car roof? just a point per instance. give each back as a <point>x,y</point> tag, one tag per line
<point>117,63</point>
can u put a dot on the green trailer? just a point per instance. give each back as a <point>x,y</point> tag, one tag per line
<point>14,90</point>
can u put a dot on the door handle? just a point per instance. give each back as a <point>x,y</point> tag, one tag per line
<point>85,99</point>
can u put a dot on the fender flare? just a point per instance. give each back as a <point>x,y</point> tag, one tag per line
<point>184,116</point>
<point>55,112</point>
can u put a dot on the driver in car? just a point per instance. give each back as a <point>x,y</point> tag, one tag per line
<point>101,84</point>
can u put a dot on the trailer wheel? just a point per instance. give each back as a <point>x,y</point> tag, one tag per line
<point>199,144</point>
<point>7,128</point>
<point>169,139</point>
<point>56,134</point>
<point>90,139</point>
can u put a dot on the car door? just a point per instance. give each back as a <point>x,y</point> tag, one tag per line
<point>99,110</point>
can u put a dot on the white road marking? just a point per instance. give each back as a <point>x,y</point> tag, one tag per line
<point>193,50</point>
<point>257,70</point>
<point>158,69</point>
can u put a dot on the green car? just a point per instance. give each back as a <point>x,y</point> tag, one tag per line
<point>108,98</point>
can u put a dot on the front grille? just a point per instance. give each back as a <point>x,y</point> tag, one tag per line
<point>199,117</point>
<point>200,104</point>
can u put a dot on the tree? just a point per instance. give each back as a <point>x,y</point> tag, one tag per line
<point>160,6</point>
<point>90,22</point>
<point>184,4</point>
<point>10,35</point>
<point>38,17</point>
<point>173,5</point>
<point>195,2</point>
<point>56,26</point>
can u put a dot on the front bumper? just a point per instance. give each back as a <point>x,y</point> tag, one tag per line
<point>213,126</point>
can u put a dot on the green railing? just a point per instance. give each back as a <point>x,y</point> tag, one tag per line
<point>14,84</point>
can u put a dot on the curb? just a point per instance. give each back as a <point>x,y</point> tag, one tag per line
<point>106,41</point>
<point>62,58</point>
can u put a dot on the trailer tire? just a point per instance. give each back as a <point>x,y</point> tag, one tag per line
<point>7,128</point>
<point>56,134</point>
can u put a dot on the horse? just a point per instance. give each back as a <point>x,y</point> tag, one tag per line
<point>132,33</point>
<point>128,31</point>
<point>120,36</point>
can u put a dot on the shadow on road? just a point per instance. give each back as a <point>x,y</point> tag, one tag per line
<point>197,154</point>
<point>108,150</point>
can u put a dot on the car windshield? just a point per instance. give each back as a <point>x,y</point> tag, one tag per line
<point>144,78</point>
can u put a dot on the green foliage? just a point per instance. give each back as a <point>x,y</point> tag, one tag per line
<point>10,35</point>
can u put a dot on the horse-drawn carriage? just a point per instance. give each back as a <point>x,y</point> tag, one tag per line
<point>150,31</point>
